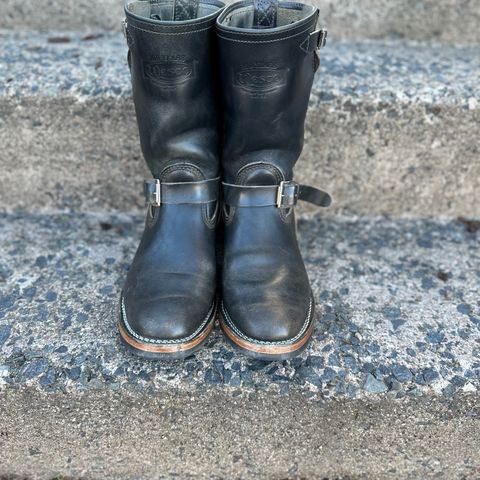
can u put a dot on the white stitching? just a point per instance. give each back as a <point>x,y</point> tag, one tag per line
<point>307,40</point>
<point>247,7</point>
<point>165,342</point>
<point>263,342</point>
<point>193,24</point>
<point>171,33</point>
<point>263,41</point>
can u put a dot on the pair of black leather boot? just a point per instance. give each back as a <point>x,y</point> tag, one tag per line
<point>221,96</point>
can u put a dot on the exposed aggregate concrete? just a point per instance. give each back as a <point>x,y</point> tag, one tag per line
<point>398,311</point>
<point>393,127</point>
<point>444,20</point>
<point>85,66</point>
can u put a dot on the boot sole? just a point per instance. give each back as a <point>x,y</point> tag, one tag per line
<point>166,351</point>
<point>265,351</point>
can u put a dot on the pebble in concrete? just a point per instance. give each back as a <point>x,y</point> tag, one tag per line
<point>57,321</point>
<point>372,385</point>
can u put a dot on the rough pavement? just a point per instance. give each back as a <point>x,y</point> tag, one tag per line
<point>442,20</point>
<point>398,311</point>
<point>393,127</point>
<point>209,435</point>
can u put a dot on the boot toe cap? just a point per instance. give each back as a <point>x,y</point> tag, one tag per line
<point>165,320</point>
<point>273,322</point>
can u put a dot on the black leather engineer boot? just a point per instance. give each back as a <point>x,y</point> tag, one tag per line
<point>268,60</point>
<point>168,303</point>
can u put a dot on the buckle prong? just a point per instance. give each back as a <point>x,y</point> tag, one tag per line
<point>280,194</point>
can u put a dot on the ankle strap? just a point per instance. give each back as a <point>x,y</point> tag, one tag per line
<point>285,195</point>
<point>158,193</point>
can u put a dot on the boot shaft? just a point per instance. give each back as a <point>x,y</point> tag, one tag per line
<point>268,62</point>
<point>172,57</point>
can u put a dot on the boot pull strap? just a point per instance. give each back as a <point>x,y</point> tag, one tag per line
<point>181,10</point>
<point>185,9</point>
<point>265,13</point>
<point>158,193</point>
<point>285,195</point>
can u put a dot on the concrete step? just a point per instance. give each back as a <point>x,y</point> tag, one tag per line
<point>397,312</point>
<point>394,362</point>
<point>444,20</point>
<point>210,435</point>
<point>392,128</point>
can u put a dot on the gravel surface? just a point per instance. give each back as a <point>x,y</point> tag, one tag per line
<point>392,127</point>
<point>398,311</point>
<point>443,20</point>
<point>209,435</point>
<point>88,66</point>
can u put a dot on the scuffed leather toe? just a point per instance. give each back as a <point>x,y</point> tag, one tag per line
<point>279,321</point>
<point>165,319</point>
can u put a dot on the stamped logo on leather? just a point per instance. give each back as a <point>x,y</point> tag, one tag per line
<point>262,78</point>
<point>169,70</point>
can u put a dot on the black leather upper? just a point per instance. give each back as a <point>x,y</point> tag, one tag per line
<point>175,88</point>
<point>171,285</point>
<point>267,74</point>
<point>267,78</point>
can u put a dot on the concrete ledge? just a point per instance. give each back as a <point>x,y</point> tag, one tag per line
<point>392,127</point>
<point>398,312</point>
<point>210,435</point>
<point>442,20</point>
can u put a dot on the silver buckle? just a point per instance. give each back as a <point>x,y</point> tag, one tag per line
<point>153,195</point>
<point>124,27</point>
<point>287,194</point>
<point>158,194</point>
<point>322,38</point>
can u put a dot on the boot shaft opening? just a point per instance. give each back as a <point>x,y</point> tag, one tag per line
<point>183,11</point>
<point>245,15</point>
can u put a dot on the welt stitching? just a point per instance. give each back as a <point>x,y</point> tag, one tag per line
<point>169,33</point>
<point>264,41</point>
<point>263,342</point>
<point>160,341</point>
